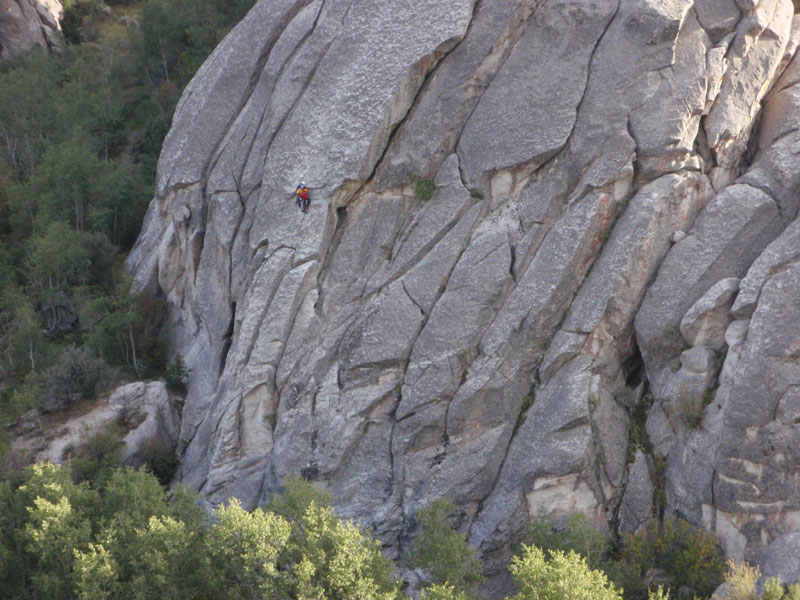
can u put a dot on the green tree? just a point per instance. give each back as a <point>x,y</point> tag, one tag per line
<point>579,535</point>
<point>773,589</point>
<point>297,495</point>
<point>26,113</point>
<point>562,577</point>
<point>335,560</point>
<point>442,552</point>
<point>95,573</point>
<point>325,558</point>
<point>168,563</point>
<point>443,591</point>
<point>243,548</point>
<point>57,260</point>
<point>56,526</point>
<point>124,329</point>
<point>689,556</point>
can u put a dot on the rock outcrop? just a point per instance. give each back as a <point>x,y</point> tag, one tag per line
<point>146,414</point>
<point>616,187</point>
<point>25,24</point>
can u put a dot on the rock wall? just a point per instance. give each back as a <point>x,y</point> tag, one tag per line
<point>613,221</point>
<point>28,23</point>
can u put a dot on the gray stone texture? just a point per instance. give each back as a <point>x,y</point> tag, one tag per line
<point>782,559</point>
<point>636,506</point>
<point>706,321</point>
<point>152,412</point>
<point>27,24</point>
<point>603,187</point>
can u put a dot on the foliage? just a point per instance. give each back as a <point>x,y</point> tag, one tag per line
<point>741,579</point>
<point>177,35</point>
<point>75,376</point>
<point>562,577</point>
<point>792,591</point>
<point>443,591</point>
<point>773,589</point>
<point>126,538</point>
<point>80,135</point>
<point>120,535</point>
<point>578,535</point>
<point>658,594</point>
<point>442,552</point>
<point>638,411</point>
<point>244,550</point>
<point>689,556</point>
<point>97,454</point>
<point>328,558</point>
<point>125,329</point>
<point>298,494</point>
<point>424,188</point>
<point>162,462</point>
<point>176,373</point>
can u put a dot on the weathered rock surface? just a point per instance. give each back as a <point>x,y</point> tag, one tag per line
<point>636,506</point>
<point>148,413</point>
<point>593,220</point>
<point>25,24</point>
<point>782,558</point>
<point>151,414</point>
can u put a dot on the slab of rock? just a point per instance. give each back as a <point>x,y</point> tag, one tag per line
<point>785,249</point>
<point>781,559</point>
<point>705,323</point>
<point>153,413</point>
<point>492,138</point>
<point>732,231</point>
<point>27,24</point>
<point>743,86</point>
<point>636,507</point>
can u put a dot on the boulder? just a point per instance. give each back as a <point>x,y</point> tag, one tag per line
<point>781,558</point>
<point>151,414</point>
<point>26,24</point>
<point>636,507</point>
<point>705,323</point>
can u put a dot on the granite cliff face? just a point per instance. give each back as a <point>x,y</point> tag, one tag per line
<point>617,183</point>
<point>28,23</point>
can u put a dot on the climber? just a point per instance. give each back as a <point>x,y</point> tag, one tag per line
<point>303,199</point>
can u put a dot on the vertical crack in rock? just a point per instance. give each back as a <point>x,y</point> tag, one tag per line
<point>254,81</point>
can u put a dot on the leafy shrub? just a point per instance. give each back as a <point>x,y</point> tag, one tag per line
<point>443,553</point>
<point>424,188</point>
<point>741,579</point>
<point>562,577</point>
<point>162,462</point>
<point>578,536</point>
<point>688,555</point>
<point>176,372</point>
<point>792,591</point>
<point>21,400</point>
<point>773,589</point>
<point>75,376</point>
<point>444,591</point>
<point>97,455</point>
<point>298,494</point>
<point>325,558</point>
